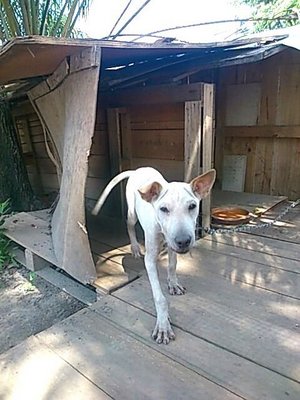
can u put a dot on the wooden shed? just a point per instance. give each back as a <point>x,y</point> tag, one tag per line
<point>87,109</point>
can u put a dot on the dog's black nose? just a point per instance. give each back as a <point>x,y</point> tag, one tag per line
<point>183,242</point>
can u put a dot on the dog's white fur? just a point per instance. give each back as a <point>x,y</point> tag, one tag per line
<point>167,210</point>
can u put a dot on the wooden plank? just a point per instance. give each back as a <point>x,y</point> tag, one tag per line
<point>249,201</point>
<point>33,233</point>
<point>112,275</point>
<point>263,131</point>
<point>255,250</point>
<point>280,167</point>
<point>255,324</point>
<point>288,95</point>
<point>263,165</point>
<point>85,59</point>
<point>126,140</point>
<point>114,134</point>
<point>92,343</point>
<point>172,170</point>
<point>192,140</point>
<point>166,145</point>
<point>58,75</point>
<point>162,114</point>
<point>53,377</point>
<point>155,94</point>
<point>208,137</point>
<point>155,125</point>
<point>240,376</point>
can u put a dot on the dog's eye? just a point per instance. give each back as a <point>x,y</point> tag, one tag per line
<point>164,209</point>
<point>192,206</point>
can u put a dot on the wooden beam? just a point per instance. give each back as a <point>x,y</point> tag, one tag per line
<point>266,131</point>
<point>155,95</point>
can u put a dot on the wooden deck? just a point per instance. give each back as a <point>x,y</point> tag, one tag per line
<point>237,329</point>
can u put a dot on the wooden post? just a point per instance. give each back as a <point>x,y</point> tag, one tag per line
<point>192,140</point>
<point>114,139</point>
<point>208,144</point>
<point>199,141</point>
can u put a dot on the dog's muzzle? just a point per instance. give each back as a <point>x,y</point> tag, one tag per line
<point>183,243</point>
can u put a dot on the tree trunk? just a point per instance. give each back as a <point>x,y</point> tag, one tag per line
<point>14,181</point>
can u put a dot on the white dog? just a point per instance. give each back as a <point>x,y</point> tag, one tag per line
<point>167,210</point>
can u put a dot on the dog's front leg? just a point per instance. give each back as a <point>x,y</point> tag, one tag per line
<point>163,332</point>
<point>173,284</point>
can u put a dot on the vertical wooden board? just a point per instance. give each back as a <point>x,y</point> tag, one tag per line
<point>263,165</point>
<point>269,92</point>
<point>114,143</point>
<point>220,123</point>
<point>288,95</point>
<point>126,140</point>
<point>113,128</point>
<point>192,140</point>
<point>294,183</point>
<point>280,166</point>
<point>208,136</point>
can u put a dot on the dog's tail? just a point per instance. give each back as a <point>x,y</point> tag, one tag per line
<point>117,179</point>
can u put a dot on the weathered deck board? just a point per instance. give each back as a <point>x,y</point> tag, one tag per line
<point>263,245</point>
<point>236,269</point>
<point>241,376</point>
<point>249,201</point>
<point>32,371</point>
<point>287,229</point>
<point>33,233</point>
<point>232,318</point>
<point>123,366</point>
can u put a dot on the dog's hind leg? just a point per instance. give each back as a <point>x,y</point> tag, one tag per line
<point>173,284</point>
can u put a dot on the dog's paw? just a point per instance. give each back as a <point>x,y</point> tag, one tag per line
<point>136,251</point>
<point>176,289</point>
<point>163,333</point>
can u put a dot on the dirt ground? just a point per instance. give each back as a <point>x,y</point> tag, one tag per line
<point>28,305</point>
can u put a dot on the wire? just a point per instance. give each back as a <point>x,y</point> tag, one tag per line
<point>215,22</point>
<point>130,19</point>
<point>121,15</point>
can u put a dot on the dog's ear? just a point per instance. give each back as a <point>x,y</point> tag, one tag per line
<point>150,192</point>
<point>202,185</point>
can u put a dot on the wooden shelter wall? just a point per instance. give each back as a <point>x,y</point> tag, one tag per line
<point>39,163</point>
<point>271,140</point>
<point>41,171</point>
<point>157,138</point>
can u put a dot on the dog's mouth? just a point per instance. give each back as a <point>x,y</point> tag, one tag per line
<point>181,251</point>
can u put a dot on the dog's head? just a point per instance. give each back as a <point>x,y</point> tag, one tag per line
<point>176,206</point>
